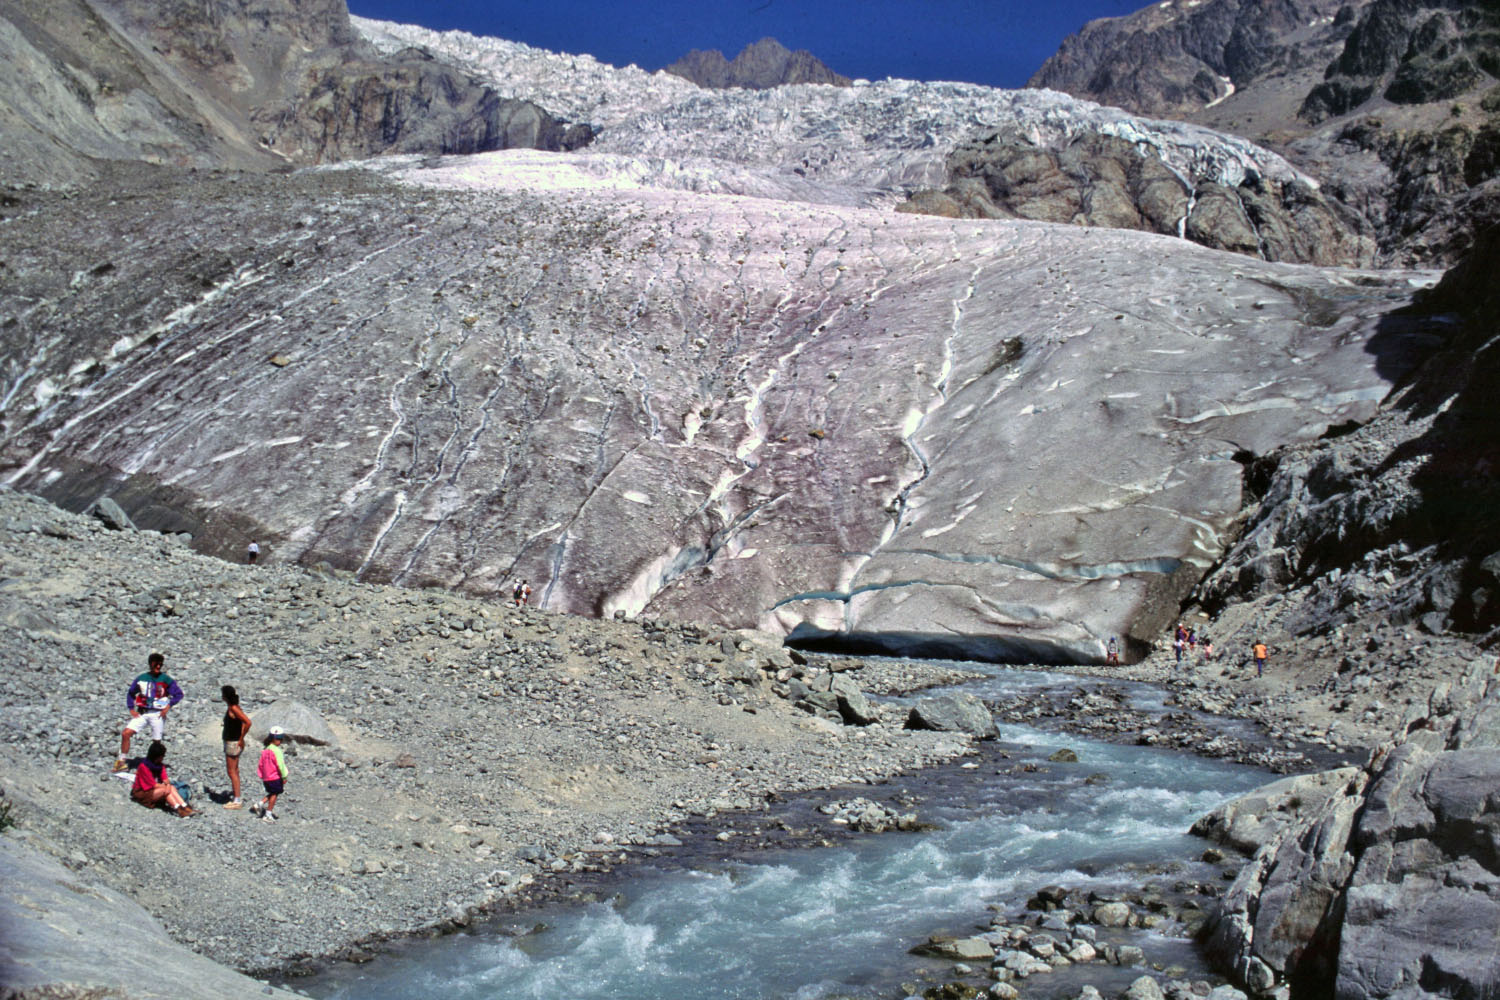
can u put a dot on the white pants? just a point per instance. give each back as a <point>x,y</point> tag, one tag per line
<point>152,719</point>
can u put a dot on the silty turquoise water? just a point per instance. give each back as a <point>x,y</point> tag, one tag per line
<point>837,922</point>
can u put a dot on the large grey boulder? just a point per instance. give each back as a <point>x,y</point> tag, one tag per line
<point>64,935</point>
<point>1249,822</point>
<point>111,515</point>
<point>953,713</point>
<point>302,723</point>
<point>855,708</point>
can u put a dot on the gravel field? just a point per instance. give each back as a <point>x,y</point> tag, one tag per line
<point>478,747</point>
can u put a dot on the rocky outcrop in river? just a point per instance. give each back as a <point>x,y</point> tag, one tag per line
<point>1383,883</point>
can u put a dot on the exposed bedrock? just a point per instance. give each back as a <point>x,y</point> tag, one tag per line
<point>766,63</point>
<point>253,84</point>
<point>1098,179</point>
<point>694,406</point>
<point>1392,519</point>
<point>1384,883</point>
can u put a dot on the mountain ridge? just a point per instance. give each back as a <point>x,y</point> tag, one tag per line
<point>759,65</point>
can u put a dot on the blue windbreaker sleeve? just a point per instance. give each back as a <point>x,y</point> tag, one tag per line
<point>174,692</point>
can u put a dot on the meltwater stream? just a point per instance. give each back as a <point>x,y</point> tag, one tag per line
<point>838,921</point>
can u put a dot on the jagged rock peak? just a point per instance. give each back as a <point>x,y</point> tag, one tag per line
<point>761,65</point>
<point>1411,53</point>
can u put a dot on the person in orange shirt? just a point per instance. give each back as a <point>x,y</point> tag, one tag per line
<point>1261,652</point>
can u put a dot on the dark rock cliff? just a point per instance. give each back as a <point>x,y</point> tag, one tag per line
<point>766,63</point>
<point>1396,518</point>
<point>1410,52</point>
<point>1382,101</point>
<point>1173,58</point>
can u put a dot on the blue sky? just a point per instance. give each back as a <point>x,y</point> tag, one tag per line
<point>995,42</point>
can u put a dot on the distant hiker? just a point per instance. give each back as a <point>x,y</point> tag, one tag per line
<point>252,553</point>
<point>522,593</point>
<point>272,771</point>
<point>1180,633</point>
<point>1112,652</point>
<point>149,698</point>
<point>236,728</point>
<point>1192,640</point>
<point>152,787</point>
<point>1260,652</point>
<point>1178,645</point>
<point>1208,648</point>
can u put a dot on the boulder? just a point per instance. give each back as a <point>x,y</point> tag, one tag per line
<point>971,949</point>
<point>856,709</point>
<point>111,515</point>
<point>953,713</point>
<point>1248,822</point>
<point>302,723</point>
<point>64,936</point>
<point>1144,988</point>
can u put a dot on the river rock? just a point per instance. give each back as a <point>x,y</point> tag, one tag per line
<point>1112,914</point>
<point>1143,988</point>
<point>960,713</point>
<point>970,949</point>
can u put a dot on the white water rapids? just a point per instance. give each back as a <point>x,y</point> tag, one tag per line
<point>838,922</point>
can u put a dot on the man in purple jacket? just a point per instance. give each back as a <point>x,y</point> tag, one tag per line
<point>149,698</point>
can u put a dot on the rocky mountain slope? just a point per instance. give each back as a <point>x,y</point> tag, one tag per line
<point>762,64</point>
<point>1389,103</point>
<point>257,84</point>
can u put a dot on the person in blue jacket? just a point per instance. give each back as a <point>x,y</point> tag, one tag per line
<point>149,698</point>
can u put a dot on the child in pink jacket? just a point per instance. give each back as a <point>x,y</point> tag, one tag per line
<point>272,771</point>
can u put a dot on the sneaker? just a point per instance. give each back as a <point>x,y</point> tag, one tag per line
<point>234,804</point>
<point>186,811</point>
<point>268,818</point>
<point>258,808</point>
<point>119,765</point>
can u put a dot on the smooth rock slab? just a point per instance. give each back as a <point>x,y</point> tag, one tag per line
<point>60,936</point>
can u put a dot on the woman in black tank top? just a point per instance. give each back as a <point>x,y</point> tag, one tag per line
<point>236,726</point>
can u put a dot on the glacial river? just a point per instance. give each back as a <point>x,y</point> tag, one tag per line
<point>837,922</point>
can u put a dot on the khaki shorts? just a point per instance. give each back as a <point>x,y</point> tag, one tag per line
<point>233,748</point>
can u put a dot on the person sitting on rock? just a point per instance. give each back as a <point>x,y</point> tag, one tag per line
<point>152,787</point>
<point>149,698</point>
